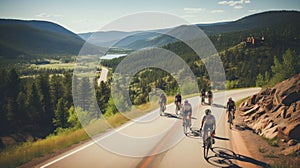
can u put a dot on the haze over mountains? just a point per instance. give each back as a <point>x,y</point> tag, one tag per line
<point>25,40</point>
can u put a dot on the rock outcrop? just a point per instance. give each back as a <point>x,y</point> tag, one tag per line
<point>275,112</point>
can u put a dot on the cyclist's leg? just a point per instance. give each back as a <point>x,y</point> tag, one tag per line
<point>211,131</point>
<point>205,134</point>
<point>204,137</point>
<point>233,112</point>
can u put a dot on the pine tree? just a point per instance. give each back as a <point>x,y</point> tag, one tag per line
<point>12,88</point>
<point>33,106</point>
<point>61,115</point>
<point>286,68</point>
<point>103,94</point>
<point>43,88</point>
<point>84,96</point>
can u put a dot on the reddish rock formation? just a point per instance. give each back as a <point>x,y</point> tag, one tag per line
<point>275,112</point>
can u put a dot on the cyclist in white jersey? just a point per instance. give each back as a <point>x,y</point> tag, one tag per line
<point>187,111</point>
<point>209,122</point>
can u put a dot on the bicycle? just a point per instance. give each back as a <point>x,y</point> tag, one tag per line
<point>208,143</point>
<point>209,100</point>
<point>230,118</point>
<point>162,108</point>
<point>202,100</point>
<point>186,125</point>
<point>177,108</point>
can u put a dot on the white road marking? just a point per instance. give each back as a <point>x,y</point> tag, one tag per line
<point>99,139</point>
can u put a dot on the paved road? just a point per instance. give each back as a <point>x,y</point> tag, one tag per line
<point>153,141</point>
<point>103,75</point>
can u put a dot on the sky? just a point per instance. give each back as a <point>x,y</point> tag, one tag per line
<point>81,16</point>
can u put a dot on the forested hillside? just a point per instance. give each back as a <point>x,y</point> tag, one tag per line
<point>32,109</point>
<point>36,103</point>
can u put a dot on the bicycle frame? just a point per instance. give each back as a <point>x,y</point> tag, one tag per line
<point>207,142</point>
<point>186,125</point>
<point>162,108</point>
<point>177,108</point>
<point>230,118</point>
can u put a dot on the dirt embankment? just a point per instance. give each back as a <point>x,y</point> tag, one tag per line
<point>274,113</point>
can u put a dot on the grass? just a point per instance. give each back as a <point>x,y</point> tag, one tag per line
<point>271,155</point>
<point>273,142</point>
<point>238,103</point>
<point>21,154</point>
<point>262,150</point>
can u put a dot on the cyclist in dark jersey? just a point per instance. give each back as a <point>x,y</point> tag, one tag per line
<point>177,102</point>
<point>202,95</point>
<point>230,107</point>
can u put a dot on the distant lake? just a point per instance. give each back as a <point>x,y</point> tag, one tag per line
<point>111,56</point>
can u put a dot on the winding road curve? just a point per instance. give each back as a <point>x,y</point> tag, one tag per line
<point>162,151</point>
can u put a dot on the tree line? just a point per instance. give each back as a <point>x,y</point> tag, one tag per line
<point>39,105</point>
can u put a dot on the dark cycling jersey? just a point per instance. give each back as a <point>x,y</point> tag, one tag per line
<point>203,93</point>
<point>209,94</point>
<point>178,98</point>
<point>231,105</point>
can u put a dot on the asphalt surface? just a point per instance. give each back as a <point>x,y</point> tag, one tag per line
<point>154,141</point>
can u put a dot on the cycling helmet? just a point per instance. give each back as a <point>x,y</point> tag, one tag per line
<point>207,111</point>
<point>186,101</point>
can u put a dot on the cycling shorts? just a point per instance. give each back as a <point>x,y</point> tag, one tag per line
<point>186,112</point>
<point>208,126</point>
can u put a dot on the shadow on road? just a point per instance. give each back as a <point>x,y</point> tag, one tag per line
<point>218,106</point>
<point>170,115</point>
<point>224,158</point>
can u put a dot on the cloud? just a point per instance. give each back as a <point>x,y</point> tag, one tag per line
<point>45,15</point>
<point>235,4</point>
<point>193,10</point>
<point>238,7</point>
<point>217,11</point>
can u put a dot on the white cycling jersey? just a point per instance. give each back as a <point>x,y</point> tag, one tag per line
<point>209,119</point>
<point>186,108</point>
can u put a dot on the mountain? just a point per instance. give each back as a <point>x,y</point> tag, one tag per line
<point>26,40</point>
<point>120,39</point>
<point>42,25</point>
<point>252,23</point>
<point>255,21</point>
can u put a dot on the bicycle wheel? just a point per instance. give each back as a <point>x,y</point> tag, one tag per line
<point>185,126</point>
<point>230,120</point>
<point>162,109</point>
<point>207,146</point>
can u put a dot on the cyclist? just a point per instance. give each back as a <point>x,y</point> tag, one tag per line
<point>230,107</point>
<point>209,122</point>
<point>209,95</point>
<point>162,101</point>
<point>202,95</point>
<point>177,102</point>
<point>187,111</point>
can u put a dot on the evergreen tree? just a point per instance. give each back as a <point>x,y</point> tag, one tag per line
<point>286,68</point>
<point>103,94</point>
<point>12,88</point>
<point>84,94</point>
<point>33,105</point>
<point>61,115</point>
<point>43,88</point>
